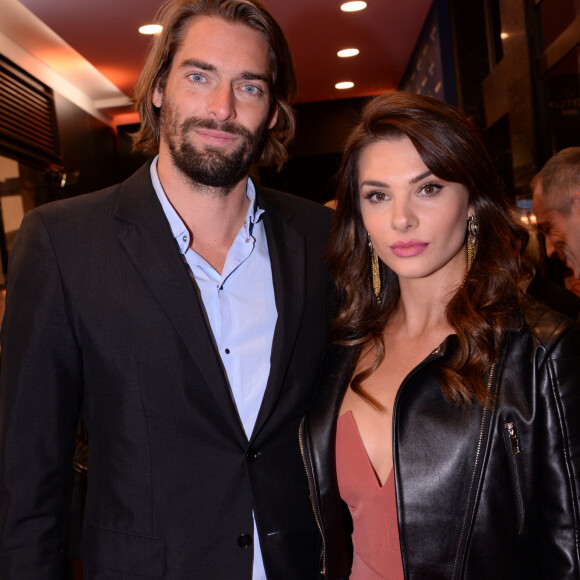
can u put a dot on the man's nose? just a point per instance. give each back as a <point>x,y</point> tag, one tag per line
<point>222,105</point>
<point>550,248</point>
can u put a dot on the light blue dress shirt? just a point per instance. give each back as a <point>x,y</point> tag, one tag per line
<point>241,309</point>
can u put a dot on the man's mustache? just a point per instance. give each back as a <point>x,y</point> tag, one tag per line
<point>227,127</point>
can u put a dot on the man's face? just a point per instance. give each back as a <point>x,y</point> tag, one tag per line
<point>562,231</point>
<point>216,104</point>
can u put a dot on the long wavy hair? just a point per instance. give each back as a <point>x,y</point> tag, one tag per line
<point>175,16</point>
<point>451,147</point>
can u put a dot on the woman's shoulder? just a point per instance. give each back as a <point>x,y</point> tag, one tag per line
<point>548,327</point>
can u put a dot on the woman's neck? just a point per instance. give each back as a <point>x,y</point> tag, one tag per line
<point>422,307</point>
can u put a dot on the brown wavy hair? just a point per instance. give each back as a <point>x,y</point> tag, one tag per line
<point>175,17</point>
<point>451,147</point>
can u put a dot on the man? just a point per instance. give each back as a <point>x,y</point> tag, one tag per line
<point>184,313</point>
<point>557,206</point>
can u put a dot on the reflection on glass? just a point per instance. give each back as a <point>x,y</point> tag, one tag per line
<point>562,89</point>
<point>555,16</point>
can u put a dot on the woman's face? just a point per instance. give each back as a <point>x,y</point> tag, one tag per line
<point>416,221</point>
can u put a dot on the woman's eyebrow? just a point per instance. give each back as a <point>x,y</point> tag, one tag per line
<point>422,176</point>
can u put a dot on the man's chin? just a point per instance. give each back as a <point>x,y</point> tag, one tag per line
<point>215,146</point>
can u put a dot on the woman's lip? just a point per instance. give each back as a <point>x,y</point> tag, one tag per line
<point>408,249</point>
<point>408,243</point>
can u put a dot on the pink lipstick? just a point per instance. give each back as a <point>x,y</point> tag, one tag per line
<point>408,249</point>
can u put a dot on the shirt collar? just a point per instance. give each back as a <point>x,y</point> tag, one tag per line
<point>179,229</point>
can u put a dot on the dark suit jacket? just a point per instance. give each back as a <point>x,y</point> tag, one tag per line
<point>103,316</point>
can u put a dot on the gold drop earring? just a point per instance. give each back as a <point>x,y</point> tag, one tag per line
<point>472,239</point>
<point>376,273</point>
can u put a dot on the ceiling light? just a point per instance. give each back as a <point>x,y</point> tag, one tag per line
<point>504,35</point>
<point>344,85</point>
<point>353,6</point>
<point>346,52</point>
<point>151,29</point>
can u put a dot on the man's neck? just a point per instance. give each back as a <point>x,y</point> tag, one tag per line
<point>212,216</point>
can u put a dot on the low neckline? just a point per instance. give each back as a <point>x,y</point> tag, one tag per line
<point>368,461</point>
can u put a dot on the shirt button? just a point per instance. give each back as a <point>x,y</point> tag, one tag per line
<point>244,541</point>
<point>252,455</point>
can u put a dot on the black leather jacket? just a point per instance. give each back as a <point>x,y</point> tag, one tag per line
<point>486,494</point>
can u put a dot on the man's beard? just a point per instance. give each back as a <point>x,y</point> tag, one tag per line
<point>211,166</point>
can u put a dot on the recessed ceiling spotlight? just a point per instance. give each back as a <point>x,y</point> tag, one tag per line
<point>151,29</point>
<point>346,52</point>
<point>353,6</point>
<point>344,85</point>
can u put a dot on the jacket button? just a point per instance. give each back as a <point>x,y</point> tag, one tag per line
<point>244,541</point>
<point>252,455</point>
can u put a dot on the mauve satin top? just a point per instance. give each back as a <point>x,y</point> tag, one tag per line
<point>377,552</point>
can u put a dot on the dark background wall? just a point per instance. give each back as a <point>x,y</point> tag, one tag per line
<point>88,147</point>
<point>322,129</point>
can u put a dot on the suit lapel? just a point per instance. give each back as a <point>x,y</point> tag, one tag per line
<point>150,244</point>
<point>287,252</point>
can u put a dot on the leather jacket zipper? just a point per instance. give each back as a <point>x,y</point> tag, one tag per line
<point>437,353</point>
<point>312,489</point>
<point>514,453</point>
<point>482,429</point>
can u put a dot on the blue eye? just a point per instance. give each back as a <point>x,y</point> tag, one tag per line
<point>197,77</point>
<point>251,89</point>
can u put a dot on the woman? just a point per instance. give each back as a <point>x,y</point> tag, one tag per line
<point>446,435</point>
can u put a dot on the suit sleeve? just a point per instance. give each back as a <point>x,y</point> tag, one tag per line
<point>559,471</point>
<point>40,394</point>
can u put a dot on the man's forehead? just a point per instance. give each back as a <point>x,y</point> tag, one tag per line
<point>230,48</point>
<point>538,201</point>
<point>538,193</point>
<point>211,32</point>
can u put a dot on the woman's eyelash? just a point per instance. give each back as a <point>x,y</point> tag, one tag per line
<point>435,187</point>
<point>374,195</point>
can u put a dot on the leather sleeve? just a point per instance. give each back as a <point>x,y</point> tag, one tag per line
<point>40,392</point>
<point>558,371</point>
